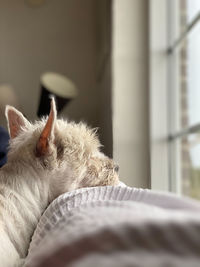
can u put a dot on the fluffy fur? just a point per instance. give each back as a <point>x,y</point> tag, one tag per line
<point>45,159</point>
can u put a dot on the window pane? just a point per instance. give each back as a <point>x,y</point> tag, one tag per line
<point>190,165</point>
<point>184,99</point>
<point>192,73</point>
<point>181,13</point>
<point>193,8</point>
<point>188,79</point>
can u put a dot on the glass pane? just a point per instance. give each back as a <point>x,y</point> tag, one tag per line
<point>184,101</point>
<point>193,8</point>
<point>181,13</point>
<point>188,80</point>
<point>192,75</point>
<point>190,166</point>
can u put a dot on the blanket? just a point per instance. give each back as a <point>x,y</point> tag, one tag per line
<point>117,226</point>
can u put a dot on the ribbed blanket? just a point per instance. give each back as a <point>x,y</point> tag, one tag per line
<point>117,226</point>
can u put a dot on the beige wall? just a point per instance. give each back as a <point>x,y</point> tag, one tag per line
<point>59,36</point>
<point>130,91</point>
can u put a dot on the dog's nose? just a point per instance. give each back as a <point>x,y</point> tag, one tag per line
<point>116,168</point>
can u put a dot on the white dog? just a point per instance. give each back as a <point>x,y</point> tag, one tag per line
<point>45,159</point>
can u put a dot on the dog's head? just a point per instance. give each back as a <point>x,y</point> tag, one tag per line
<point>64,153</point>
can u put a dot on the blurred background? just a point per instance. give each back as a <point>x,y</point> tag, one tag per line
<point>135,67</point>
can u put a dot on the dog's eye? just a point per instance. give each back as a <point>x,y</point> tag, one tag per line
<point>116,168</point>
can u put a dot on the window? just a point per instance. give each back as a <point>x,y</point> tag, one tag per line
<point>175,95</point>
<point>184,96</point>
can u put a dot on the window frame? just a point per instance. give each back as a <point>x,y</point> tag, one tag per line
<point>165,136</point>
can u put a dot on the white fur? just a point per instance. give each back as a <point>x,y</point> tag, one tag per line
<point>28,183</point>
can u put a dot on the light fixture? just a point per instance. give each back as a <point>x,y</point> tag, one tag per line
<point>63,89</point>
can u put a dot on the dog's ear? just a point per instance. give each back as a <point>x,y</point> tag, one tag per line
<point>16,121</point>
<point>47,134</point>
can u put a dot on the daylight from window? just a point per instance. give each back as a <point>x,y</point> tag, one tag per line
<point>189,66</point>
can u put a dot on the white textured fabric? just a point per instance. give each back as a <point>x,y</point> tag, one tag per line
<point>117,226</point>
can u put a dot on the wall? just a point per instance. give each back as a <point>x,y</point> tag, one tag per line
<point>130,91</point>
<point>59,36</point>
